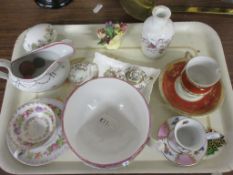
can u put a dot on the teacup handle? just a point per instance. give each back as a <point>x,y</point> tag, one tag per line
<point>6,64</point>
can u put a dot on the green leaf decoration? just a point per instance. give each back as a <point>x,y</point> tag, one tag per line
<point>214,145</point>
<point>109,31</point>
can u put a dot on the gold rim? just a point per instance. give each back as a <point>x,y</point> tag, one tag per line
<point>220,101</point>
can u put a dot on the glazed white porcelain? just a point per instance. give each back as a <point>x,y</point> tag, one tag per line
<point>188,135</point>
<point>38,36</point>
<point>106,122</point>
<point>58,53</point>
<point>157,32</point>
<point>32,125</point>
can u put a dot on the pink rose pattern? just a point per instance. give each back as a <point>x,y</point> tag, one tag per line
<point>159,47</point>
<point>57,144</point>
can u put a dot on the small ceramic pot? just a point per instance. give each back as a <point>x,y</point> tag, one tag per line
<point>82,72</point>
<point>53,57</point>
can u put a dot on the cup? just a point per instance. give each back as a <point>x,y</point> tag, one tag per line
<point>197,78</point>
<point>188,136</point>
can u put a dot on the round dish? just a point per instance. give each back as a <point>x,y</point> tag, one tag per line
<point>50,150</point>
<point>32,125</point>
<point>182,159</point>
<point>106,122</point>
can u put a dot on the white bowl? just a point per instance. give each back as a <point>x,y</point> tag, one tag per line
<point>38,36</point>
<point>106,122</point>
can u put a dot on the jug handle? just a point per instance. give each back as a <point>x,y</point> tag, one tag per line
<point>6,64</point>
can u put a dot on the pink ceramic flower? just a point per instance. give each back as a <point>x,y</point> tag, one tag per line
<point>163,131</point>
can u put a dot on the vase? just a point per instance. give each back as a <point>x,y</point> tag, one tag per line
<point>157,32</point>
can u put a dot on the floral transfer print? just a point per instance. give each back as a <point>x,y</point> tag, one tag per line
<point>156,47</point>
<point>82,72</point>
<point>115,72</point>
<point>133,75</point>
<point>47,38</point>
<point>53,147</point>
<point>180,158</point>
<point>59,143</point>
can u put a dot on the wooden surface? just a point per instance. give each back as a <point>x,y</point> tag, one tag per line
<point>18,15</point>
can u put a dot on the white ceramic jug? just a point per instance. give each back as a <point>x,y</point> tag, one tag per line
<point>157,32</point>
<point>51,63</point>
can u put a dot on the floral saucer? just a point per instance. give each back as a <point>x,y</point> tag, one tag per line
<point>50,150</point>
<point>206,104</point>
<point>182,159</point>
<point>32,124</point>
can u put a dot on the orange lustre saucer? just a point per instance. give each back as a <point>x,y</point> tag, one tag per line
<point>205,105</point>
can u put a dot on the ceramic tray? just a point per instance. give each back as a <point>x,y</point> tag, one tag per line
<point>193,37</point>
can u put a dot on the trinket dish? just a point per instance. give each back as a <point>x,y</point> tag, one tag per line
<point>82,72</point>
<point>141,77</point>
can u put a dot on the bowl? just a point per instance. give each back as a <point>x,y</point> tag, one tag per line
<point>106,122</point>
<point>38,36</point>
<point>32,125</point>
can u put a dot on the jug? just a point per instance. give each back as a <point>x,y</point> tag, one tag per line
<point>43,69</point>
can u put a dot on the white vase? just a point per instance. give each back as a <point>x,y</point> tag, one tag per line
<point>157,32</point>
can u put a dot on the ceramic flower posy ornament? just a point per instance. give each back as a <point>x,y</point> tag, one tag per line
<point>111,34</point>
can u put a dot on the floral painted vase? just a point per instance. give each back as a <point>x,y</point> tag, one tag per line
<point>157,32</point>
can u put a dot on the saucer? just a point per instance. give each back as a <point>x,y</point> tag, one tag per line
<point>167,83</point>
<point>32,124</point>
<point>182,159</point>
<point>50,150</point>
